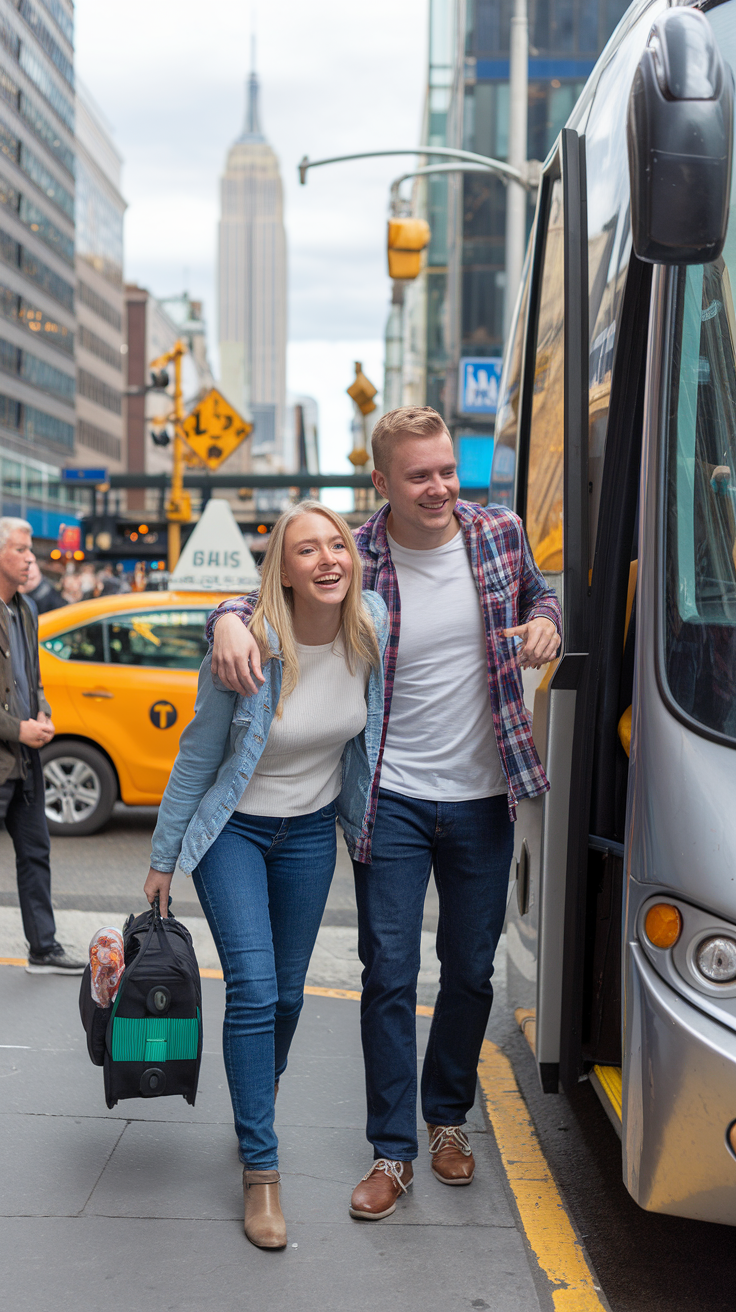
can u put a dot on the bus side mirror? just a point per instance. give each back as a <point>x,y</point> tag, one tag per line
<point>680,140</point>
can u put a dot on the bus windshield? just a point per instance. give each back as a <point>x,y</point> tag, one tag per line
<point>700,483</point>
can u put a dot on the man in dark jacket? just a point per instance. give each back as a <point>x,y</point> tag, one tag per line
<point>25,727</point>
<point>42,593</point>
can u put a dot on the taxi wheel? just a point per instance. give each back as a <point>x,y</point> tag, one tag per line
<point>81,788</point>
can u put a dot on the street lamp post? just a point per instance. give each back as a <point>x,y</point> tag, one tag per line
<point>516,195</point>
<point>444,152</point>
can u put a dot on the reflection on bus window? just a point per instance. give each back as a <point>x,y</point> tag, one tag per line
<point>609,247</point>
<point>701,501</point>
<point>546,439</point>
<point>503,467</point>
<point>503,470</point>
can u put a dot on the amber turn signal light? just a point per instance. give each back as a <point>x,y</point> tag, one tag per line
<point>663,925</point>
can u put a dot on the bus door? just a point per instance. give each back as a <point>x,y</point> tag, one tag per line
<point>551,497</point>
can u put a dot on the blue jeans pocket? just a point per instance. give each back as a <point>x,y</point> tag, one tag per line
<point>329,812</point>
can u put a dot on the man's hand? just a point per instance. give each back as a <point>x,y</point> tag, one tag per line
<point>36,733</point>
<point>236,657</point>
<point>158,882</point>
<point>540,643</point>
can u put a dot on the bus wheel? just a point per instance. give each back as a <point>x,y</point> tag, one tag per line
<point>81,788</point>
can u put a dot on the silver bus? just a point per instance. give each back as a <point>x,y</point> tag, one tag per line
<point>616,442</point>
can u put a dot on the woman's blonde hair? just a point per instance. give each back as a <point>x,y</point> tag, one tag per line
<point>276,603</point>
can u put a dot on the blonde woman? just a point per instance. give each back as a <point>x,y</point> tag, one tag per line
<point>250,810</point>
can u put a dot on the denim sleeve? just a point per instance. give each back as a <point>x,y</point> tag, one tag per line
<point>201,749</point>
<point>536,600</point>
<point>241,606</point>
<point>379,614</point>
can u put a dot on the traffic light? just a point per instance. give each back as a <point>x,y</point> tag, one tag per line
<point>159,380</point>
<point>407,239</point>
<point>161,438</point>
<point>362,391</point>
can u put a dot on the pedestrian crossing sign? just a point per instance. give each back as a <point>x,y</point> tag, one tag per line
<point>214,429</point>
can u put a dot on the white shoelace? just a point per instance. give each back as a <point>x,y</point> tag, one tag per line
<point>391,1169</point>
<point>449,1136</point>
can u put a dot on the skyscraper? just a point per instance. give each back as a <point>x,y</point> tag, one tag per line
<point>37,368</point>
<point>252,286</point>
<point>99,265</point>
<point>455,309</point>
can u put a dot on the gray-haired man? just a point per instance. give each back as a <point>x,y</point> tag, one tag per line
<point>26,726</point>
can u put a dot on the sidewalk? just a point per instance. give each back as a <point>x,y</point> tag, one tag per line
<point>141,1208</point>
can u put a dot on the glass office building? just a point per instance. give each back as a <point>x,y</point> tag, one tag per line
<point>37,324</point>
<point>456,309</point>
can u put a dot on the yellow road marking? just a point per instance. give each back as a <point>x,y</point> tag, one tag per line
<point>352,995</point>
<point>526,1019</point>
<point>610,1079</point>
<point>206,973</point>
<point>541,1210</point>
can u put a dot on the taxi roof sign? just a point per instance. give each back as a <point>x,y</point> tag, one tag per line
<point>216,557</point>
<point>214,429</point>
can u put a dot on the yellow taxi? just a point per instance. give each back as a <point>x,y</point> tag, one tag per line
<point>120,673</point>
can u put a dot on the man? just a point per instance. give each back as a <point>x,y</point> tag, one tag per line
<point>43,594</point>
<point>457,754</point>
<point>25,726</point>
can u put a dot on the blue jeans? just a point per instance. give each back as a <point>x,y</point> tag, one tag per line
<point>263,885</point>
<point>469,845</point>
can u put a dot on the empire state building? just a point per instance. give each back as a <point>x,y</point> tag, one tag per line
<point>252,283</point>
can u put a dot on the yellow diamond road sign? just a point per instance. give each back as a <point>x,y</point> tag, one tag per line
<point>214,430</point>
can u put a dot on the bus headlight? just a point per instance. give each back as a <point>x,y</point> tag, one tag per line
<point>715,958</point>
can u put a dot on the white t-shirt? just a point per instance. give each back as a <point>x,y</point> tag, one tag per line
<point>440,744</point>
<point>300,768</point>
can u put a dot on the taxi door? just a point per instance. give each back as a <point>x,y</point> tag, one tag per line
<point>137,702</point>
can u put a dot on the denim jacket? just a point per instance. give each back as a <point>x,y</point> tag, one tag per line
<point>220,748</point>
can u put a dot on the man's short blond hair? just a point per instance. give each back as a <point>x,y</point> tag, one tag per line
<point>408,421</point>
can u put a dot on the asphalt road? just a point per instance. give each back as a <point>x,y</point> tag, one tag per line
<point>105,872</point>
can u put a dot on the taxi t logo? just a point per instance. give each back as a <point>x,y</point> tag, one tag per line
<point>162,715</point>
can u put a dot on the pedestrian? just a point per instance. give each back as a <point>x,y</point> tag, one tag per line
<point>250,811</point>
<point>71,587</point>
<point>463,593</point>
<point>107,584</point>
<point>43,594</point>
<point>26,726</point>
<point>87,579</point>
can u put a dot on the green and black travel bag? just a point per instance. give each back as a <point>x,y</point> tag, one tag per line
<point>149,1040</point>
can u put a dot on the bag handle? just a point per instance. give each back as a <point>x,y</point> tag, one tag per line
<point>156,927</point>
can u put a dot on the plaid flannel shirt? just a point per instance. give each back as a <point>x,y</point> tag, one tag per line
<point>512,591</point>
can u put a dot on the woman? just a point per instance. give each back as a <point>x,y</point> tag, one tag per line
<point>250,810</point>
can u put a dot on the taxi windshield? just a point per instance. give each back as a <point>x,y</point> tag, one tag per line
<point>700,484</point>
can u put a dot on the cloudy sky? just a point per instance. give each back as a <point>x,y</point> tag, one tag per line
<point>336,76</point>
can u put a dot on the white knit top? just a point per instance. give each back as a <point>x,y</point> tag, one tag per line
<point>300,770</point>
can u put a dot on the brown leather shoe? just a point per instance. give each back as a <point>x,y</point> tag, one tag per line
<point>264,1221</point>
<point>452,1159</point>
<point>378,1191</point>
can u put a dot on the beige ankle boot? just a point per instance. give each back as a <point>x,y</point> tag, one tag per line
<point>264,1221</point>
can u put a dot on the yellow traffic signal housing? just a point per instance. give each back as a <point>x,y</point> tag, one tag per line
<point>407,239</point>
<point>362,391</point>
